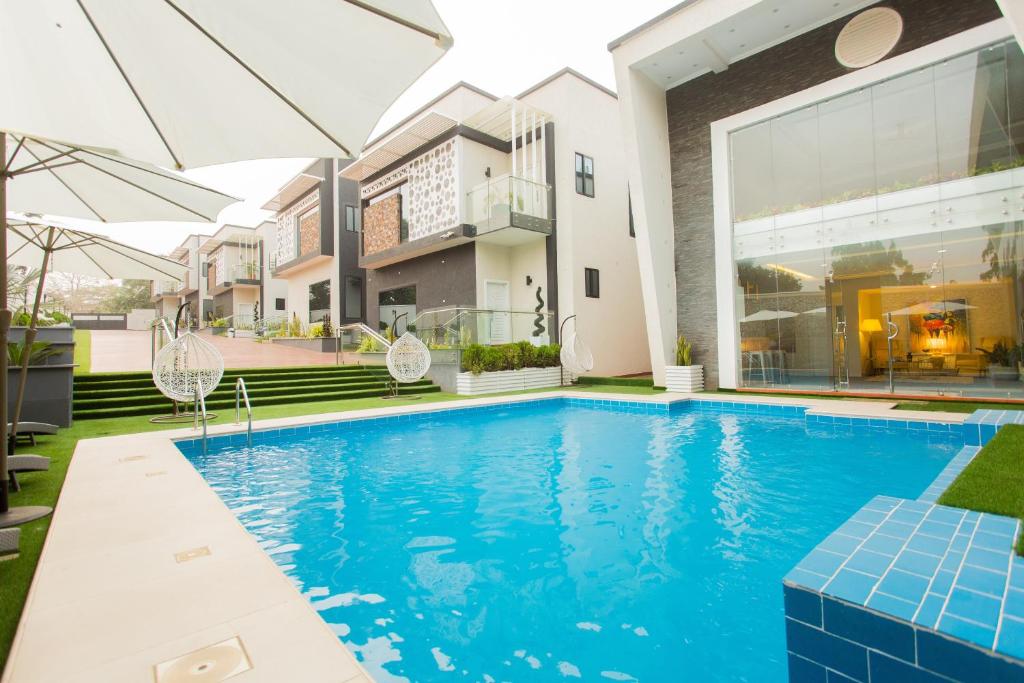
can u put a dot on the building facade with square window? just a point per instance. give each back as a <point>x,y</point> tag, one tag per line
<point>470,212</point>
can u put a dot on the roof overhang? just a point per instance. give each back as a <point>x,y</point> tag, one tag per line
<point>386,152</point>
<point>226,235</point>
<point>699,37</point>
<point>496,119</point>
<point>302,183</point>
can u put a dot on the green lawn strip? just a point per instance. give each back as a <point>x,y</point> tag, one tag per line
<point>83,352</point>
<point>617,381</point>
<point>994,481</point>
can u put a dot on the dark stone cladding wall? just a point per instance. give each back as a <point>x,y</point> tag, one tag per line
<point>805,61</point>
<point>443,278</point>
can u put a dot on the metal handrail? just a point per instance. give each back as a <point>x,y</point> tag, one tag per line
<point>365,329</point>
<point>159,326</point>
<point>240,393</point>
<point>200,404</point>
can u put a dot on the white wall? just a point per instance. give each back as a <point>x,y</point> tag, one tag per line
<point>273,288</point>
<point>140,318</point>
<point>512,265</point>
<point>594,232</point>
<point>298,288</point>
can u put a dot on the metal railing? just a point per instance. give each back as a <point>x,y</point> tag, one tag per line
<point>160,329</point>
<point>458,328</point>
<point>349,333</point>
<point>241,393</point>
<point>199,406</point>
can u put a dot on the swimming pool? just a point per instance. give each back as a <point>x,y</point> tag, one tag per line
<point>556,539</point>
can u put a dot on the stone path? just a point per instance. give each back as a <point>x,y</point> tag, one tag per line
<point>129,350</point>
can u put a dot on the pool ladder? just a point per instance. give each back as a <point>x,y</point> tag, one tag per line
<point>199,406</point>
<point>241,393</point>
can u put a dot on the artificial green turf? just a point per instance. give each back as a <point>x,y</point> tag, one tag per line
<point>994,480</point>
<point>83,352</point>
<point>617,381</point>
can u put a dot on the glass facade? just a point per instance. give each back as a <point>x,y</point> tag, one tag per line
<point>894,210</point>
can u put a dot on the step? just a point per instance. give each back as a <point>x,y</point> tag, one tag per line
<point>306,371</point>
<point>228,394</point>
<point>229,386</point>
<point>222,405</point>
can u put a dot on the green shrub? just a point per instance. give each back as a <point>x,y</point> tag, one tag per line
<point>477,358</point>
<point>683,351</point>
<point>295,326</point>
<point>219,322</point>
<point>315,330</point>
<point>368,345</point>
<point>40,351</point>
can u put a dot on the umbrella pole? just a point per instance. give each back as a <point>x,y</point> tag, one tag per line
<point>19,515</point>
<point>5,326</point>
<point>30,338</point>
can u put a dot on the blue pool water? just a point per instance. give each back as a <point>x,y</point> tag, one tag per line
<point>554,541</point>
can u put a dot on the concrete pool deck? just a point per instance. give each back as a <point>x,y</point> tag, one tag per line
<point>144,563</point>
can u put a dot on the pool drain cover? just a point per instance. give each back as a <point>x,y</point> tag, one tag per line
<point>217,662</point>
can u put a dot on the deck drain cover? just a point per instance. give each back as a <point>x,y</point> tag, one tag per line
<point>158,473</point>
<point>186,555</point>
<point>133,458</point>
<point>217,662</point>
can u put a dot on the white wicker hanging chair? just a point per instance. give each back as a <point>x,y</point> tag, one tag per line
<point>576,356</point>
<point>182,363</point>
<point>408,359</point>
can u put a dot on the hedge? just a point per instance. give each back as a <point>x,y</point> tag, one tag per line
<point>477,358</point>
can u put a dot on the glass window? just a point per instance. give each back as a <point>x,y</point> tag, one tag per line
<point>592,282</point>
<point>945,265</point>
<point>278,304</point>
<point>319,300</point>
<point>584,175</point>
<point>351,218</point>
<point>353,297</point>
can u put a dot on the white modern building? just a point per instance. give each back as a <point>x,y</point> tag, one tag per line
<point>238,277</point>
<point>314,247</point>
<point>497,219</point>
<point>828,195</point>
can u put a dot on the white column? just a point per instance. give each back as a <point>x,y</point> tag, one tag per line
<point>644,121</point>
<point>1013,10</point>
<point>512,190</point>
<point>533,146</point>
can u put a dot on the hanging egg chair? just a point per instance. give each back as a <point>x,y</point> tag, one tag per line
<point>408,360</point>
<point>576,356</point>
<point>185,362</point>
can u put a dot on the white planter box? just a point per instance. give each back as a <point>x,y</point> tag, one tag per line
<point>684,378</point>
<point>468,384</point>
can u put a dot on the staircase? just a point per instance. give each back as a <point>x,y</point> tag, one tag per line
<point>120,394</point>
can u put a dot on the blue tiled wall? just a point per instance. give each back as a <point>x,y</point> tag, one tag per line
<point>909,591</point>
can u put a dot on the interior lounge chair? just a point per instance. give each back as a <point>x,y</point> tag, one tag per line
<point>17,464</point>
<point>9,543</point>
<point>31,429</point>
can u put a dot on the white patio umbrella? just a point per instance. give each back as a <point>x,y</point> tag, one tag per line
<point>926,307</point>
<point>185,83</point>
<point>765,314</point>
<point>63,249</point>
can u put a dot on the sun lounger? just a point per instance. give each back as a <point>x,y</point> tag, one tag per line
<point>17,464</point>
<point>9,543</point>
<point>31,429</point>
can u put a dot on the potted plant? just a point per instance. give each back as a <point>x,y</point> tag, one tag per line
<point>1002,362</point>
<point>684,376</point>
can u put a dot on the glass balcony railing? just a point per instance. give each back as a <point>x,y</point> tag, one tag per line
<point>508,201</point>
<point>243,271</point>
<point>165,288</point>
<point>457,328</point>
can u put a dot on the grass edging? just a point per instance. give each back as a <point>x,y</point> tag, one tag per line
<point>83,352</point>
<point>993,482</point>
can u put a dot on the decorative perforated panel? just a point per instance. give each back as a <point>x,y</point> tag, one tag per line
<point>431,192</point>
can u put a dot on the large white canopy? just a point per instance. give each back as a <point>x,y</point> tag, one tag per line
<point>84,253</point>
<point>185,83</point>
<point>56,179</point>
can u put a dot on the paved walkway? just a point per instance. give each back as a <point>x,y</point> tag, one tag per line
<point>129,350</point>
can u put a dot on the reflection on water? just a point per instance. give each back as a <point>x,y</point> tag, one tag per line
<point>553,542</point>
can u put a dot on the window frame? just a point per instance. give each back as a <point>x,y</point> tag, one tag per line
<point>581,174</point>
<point>355,224</point>
<point>355,278</point>
<point>592,283</point>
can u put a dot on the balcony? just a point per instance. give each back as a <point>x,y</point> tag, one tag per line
<point>237,275</point>
<point>160,289</point>
<point>509,211</point>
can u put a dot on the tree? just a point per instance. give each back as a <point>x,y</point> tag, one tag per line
<point>874,259</point>
<point>21,286</point>
<point>761,280</point>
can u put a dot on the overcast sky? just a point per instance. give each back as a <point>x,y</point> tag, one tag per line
<point>502,47</point>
